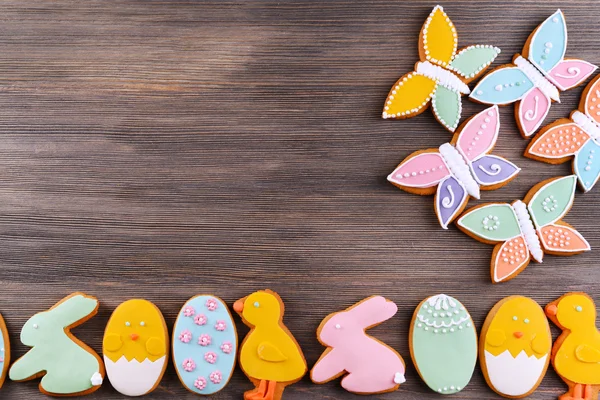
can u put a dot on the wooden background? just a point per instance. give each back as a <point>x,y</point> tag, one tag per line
<point>162,149</point>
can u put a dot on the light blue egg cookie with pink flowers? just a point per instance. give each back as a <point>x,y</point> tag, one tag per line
<point>204,344</point>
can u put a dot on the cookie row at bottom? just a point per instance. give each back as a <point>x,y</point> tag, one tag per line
<point>514,350</point>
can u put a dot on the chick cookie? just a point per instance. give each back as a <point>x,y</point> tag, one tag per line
<point>269,356</point>
<point>204,345</point>
<point>135,347</point>
<point>514,350</point>
<point>67,366</point>
<point>576,352</point>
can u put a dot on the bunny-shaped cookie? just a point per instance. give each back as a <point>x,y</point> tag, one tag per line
<point>67,366</point>
<point>372,366</point>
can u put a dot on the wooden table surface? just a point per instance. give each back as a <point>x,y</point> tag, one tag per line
<point>161,149</point>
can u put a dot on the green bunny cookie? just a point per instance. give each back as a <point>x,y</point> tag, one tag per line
<point>67,365</point>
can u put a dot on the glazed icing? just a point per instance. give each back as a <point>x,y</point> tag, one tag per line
<point>69,367</point>
<point>493,222</point>
<point>470,61</point>
<point>216,353</point>
<point>135,347</point>
<point>533,108</point>
<point>538,80</point>
<point>420,171</point>
<point>447,106</point>
<point>552,201</point>
<point>528,231</point>
<point>134,378</point>
<point>372,366</point>
<point>516,346</point>
<point>459,168</point>
<point>444,77</point>
<point>444,344</point>
<point>587,124</point>
<point>450,199</point>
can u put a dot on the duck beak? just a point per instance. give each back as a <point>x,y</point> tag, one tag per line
<point>238,306</point>
<point>551,310</point>
<point>518,335</point>
<point>134,336</point>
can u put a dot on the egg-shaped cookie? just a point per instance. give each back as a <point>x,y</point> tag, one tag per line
<point>514,348</point>
<point>136,347</point>
<point>205,344</point>
<point>443,344</point>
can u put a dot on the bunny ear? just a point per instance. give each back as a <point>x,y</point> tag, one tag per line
<point>372,311</point>
<point>73,308</point>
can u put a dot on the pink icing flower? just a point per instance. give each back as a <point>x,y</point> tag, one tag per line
<point>200,319</point>
<point>189,365</point>
<point>204,340</point>
<point>211,304</point>
<point>185,336</point>
<point>210,357</point>
<point>226,347</point>
<point>220,326</point>
<point>189,311</point>
<point>215,377</point>
<point>200,383</point>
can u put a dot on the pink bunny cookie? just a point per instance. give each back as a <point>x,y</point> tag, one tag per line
<point>372,366</point>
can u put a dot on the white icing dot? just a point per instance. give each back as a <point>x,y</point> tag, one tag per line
<point>555,19</point>
<point>548,45</point>
<point>498,88</point>
<point>338,326</point>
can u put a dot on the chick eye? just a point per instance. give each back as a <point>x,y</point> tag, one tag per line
<point>579,308</point>
<point>515,318</point>
<point>127,323</point>
<point>142,323</point>
<point>526,320</point>
<point>256,304</point>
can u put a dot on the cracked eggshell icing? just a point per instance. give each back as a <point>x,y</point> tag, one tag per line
<point>205,344</point>
<point>514,349</point>
<point>443,344</point>
<point>135,347</point>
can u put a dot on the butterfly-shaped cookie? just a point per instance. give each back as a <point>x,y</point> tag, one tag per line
<point>578,136</point>
<point>527,228</point>
<point>441,76</point>
<point>458,168</point>
<point>533,80</point>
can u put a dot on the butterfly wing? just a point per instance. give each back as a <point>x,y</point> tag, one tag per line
<point>447,107</point>
<point>471,61</point>
<point>450,199</point>
<point>490,223</point>
<point>548,43</point>
<point>409,96</point>
<point>532,110</point>
<point>509,259</point>
<point>492,171</point>
<point>438,38</point>
<point>570,73</point>
<point>420,172</point>
<point>562,239</point>
<point>587,164</point>
<point>504,85</point>
<point>557,142</point>
<point>547,203</point>
<point>478,135</point>
<point>550,200</point>
<point>590,101</point>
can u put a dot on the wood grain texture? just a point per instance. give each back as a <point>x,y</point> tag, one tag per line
<point>161,149</point>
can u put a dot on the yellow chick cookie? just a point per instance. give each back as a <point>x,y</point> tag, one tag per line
<point>269,355</point>
<point>576,352</point>
<point>514,349</point>
<point>135,347</point>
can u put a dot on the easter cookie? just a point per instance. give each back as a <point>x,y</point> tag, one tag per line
<point>67,366</point>
<point>204,345</point>
<point>441,75</point>
<point>457,169</point>
<point>372,366</point>
<point>527,228</point>
<point>577,138</point>
<point>443,344</point>
<point>514,349</point>
<point>135,347</point>
<point>534,79</point>
<point>269,355</point>
<point>576,352</point>
<point>4,351</point>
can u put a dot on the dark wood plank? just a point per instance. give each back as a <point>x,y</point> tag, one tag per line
<point>163,149</point>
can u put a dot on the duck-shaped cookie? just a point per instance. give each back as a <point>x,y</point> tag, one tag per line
<point>269,356</point>
<point>576,352</point>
